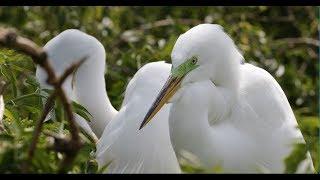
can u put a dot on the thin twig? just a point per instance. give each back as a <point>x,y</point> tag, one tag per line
<point>70,70</point>
<point>75,142</point>
<point>48,106</point>
<point>62,145</point>
<point>36,133</point>
<point>300,40</point>
<point>10,39</point>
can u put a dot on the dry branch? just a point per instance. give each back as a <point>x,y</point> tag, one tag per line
<point>9,38</point>
<point>36,133</point>
<point>299,40</point>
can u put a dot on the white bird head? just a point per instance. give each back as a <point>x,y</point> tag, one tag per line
<point>212,51</point>
<point>205,52</point>
<point>86,85</point>
<point>69,47</point>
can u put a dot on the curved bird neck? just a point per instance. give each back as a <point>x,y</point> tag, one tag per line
<point>87,86</point>
<point>202,106</point>
<point>90,91</point>
<point>228,74</point>
<point>189,119</point>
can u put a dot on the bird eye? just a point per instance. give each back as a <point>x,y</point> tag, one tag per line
<point>194,60</point>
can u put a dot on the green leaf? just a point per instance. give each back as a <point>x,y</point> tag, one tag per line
<point>297,155</point>
<point>48,91</point>
<point>104,168</point>
<point>81,111</point>
<point>58,110</point>
<point>32,109</point>
<point>32,81</point>
<point>8,73</point>
<point>6,137</point>
<point>191,169</point>
<point>26,96</point>
<point>9,114</point>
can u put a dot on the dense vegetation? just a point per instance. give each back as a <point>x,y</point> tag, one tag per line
<point>282,40</point>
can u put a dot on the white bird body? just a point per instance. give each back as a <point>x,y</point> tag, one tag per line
<point>120,139</point>
<point>124,145</point>
<point>225,113</point>
<point>244,139</point>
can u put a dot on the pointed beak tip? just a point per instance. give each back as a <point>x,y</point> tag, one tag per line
<point>167,91</point>
<point>142,124</point>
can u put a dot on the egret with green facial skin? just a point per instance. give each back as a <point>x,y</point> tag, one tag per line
<point>119,143</point>
<point>225,112</point>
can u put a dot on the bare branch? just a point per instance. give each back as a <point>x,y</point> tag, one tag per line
<point>61,143</point>
<point>9,38</point>
<point>70,70</point>
<point>308,41</point>
<point>36,133</point>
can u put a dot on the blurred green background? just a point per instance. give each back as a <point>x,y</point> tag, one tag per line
<point>282,40</point>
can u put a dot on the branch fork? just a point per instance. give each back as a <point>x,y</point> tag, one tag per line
<point>69,146</point>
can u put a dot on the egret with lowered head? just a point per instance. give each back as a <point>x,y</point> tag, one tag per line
<point>119,143</point>
<point>226,112</point>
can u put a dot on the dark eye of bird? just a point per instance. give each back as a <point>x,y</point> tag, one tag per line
<point>194,60</point>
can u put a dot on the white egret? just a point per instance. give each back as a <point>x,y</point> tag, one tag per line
<point>226,112</point>
<point>121,144</point>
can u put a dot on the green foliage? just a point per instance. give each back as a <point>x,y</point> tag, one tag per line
<point>309,126</point>
<point>298,154</point>
<point>282,40</point>
<point>23,107</point>
<point>80,110</point>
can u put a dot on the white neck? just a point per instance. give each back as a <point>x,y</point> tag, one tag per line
<point>195,122</point>
<point>226,75</point>
<point>189,123</point>
<point>90,91</point>
<point>189,116</point>
<point>88,82</point>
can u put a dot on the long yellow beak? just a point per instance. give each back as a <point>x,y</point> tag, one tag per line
<point>167,91</point>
